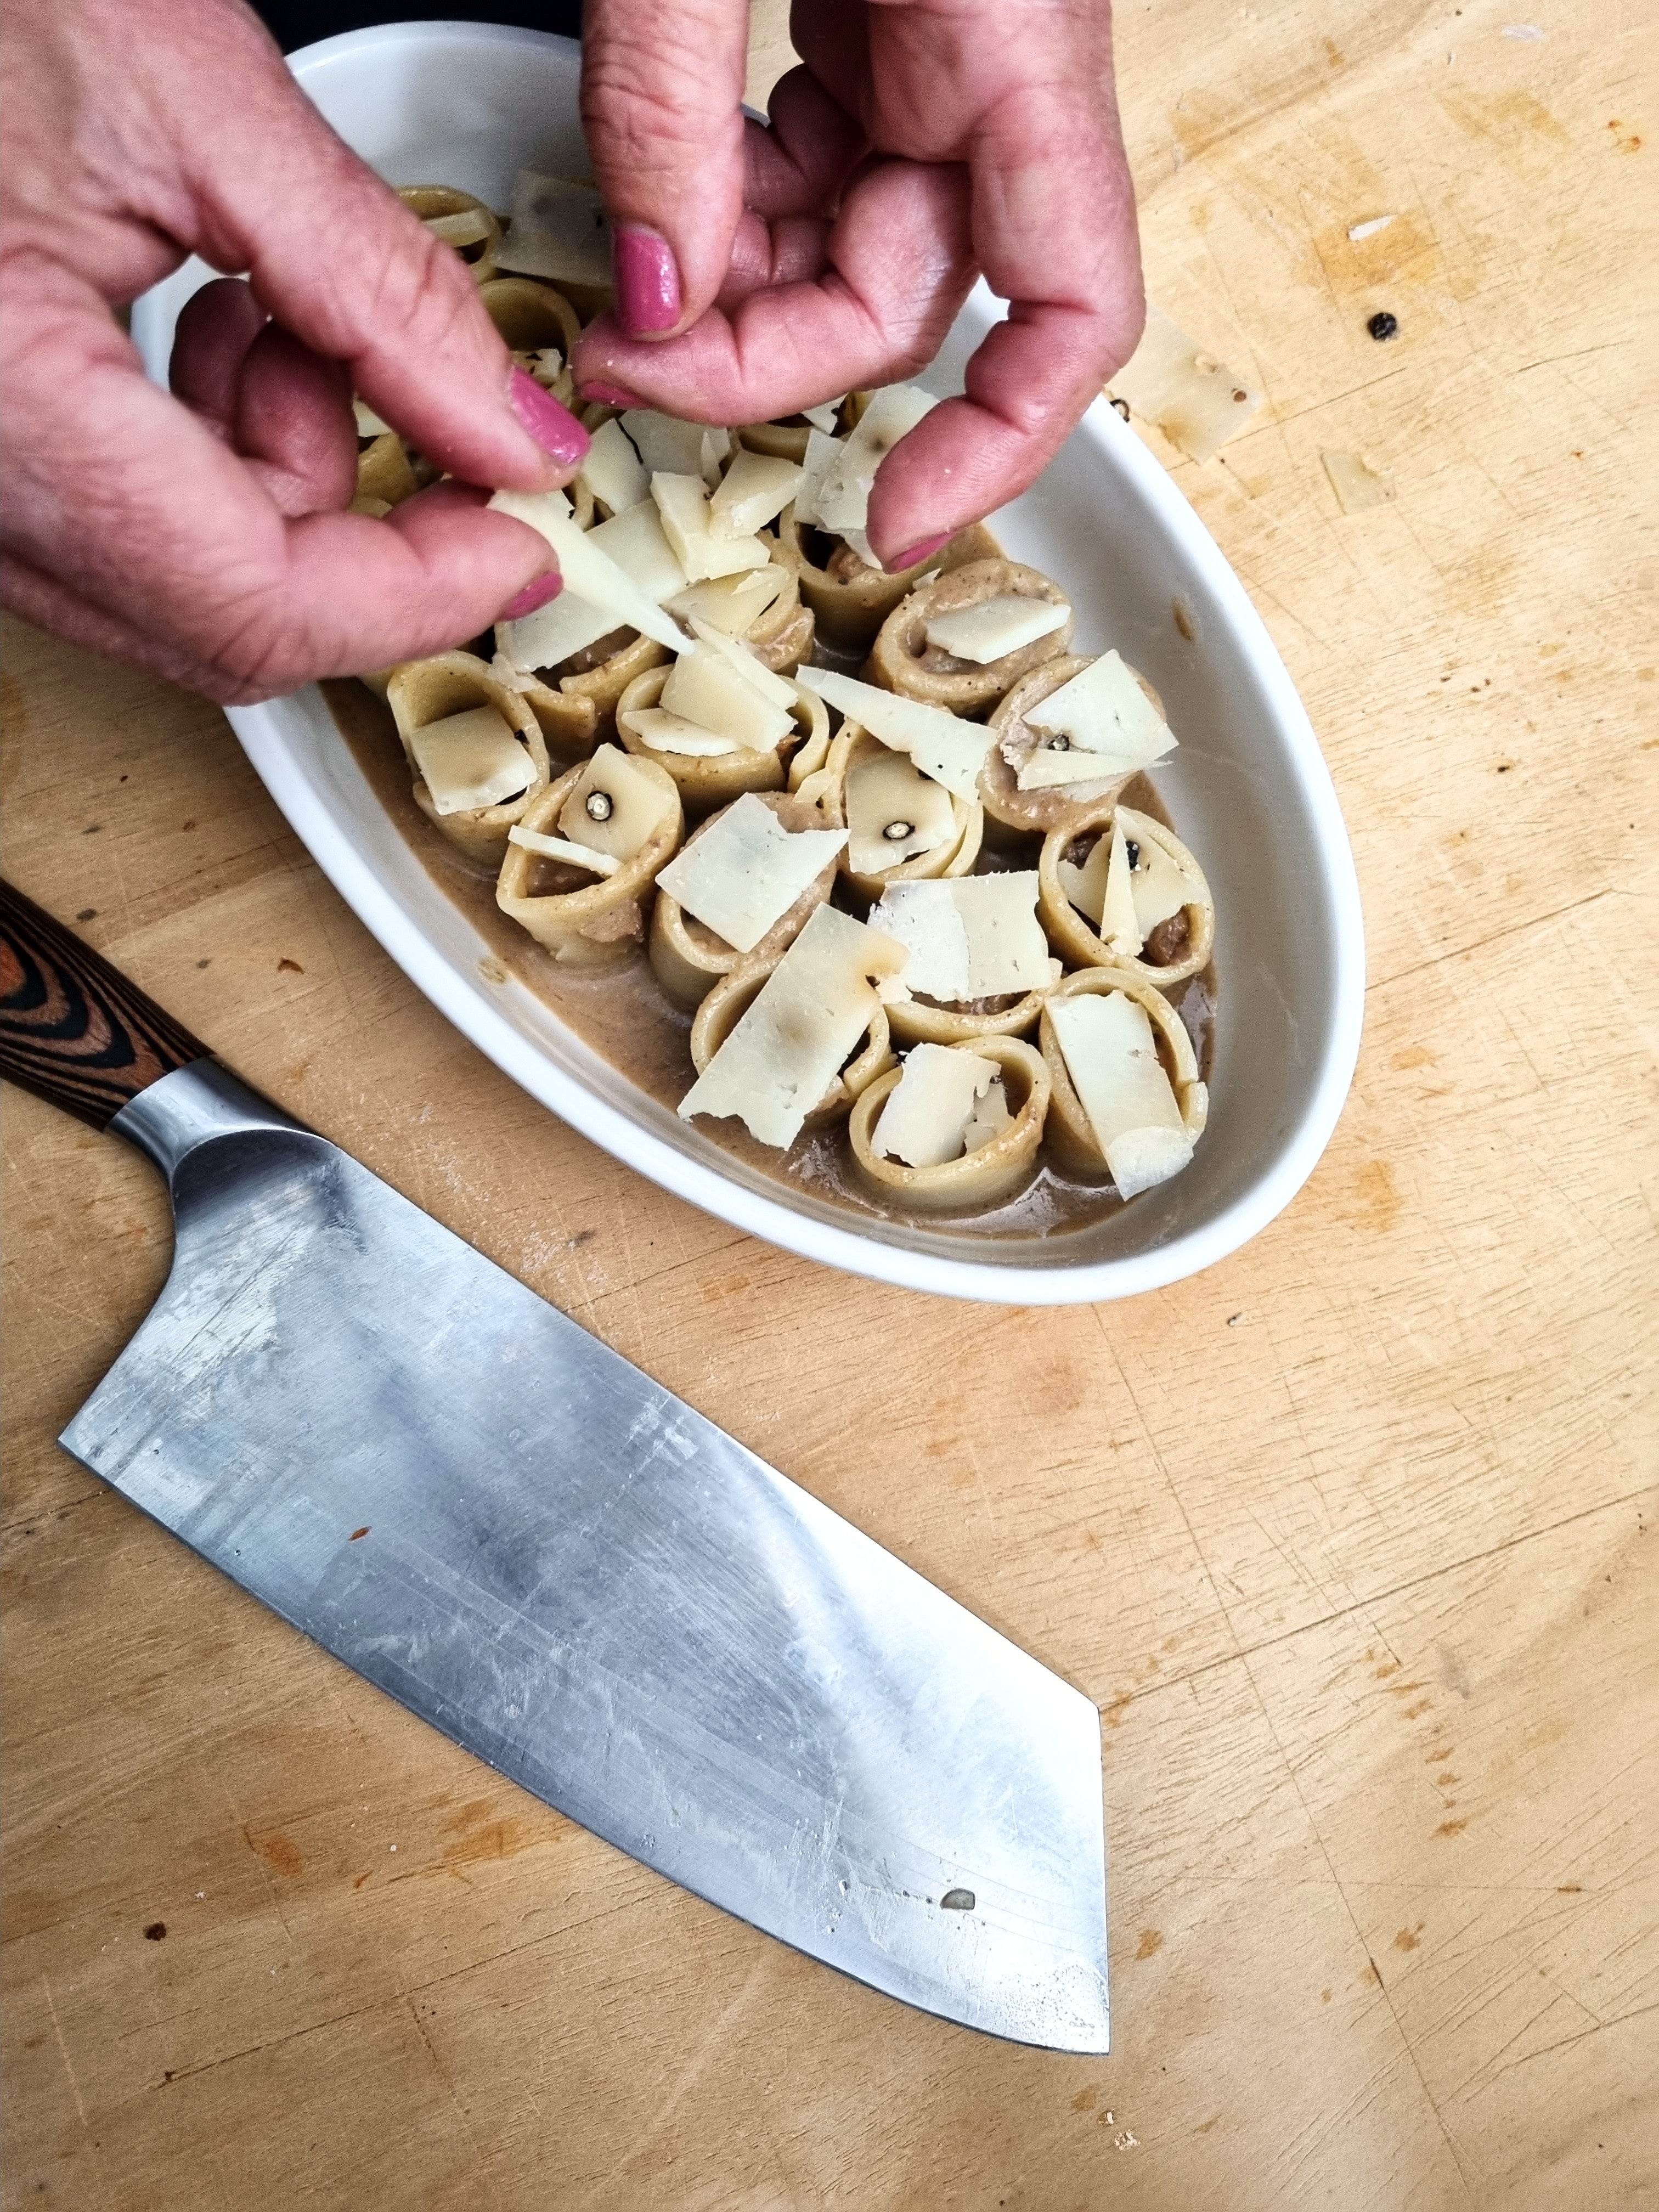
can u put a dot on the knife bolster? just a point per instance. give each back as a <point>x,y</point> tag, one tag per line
<point>191,1107</point>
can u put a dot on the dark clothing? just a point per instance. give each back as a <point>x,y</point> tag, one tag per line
<point>299,22</point>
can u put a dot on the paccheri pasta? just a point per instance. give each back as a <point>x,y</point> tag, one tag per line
<point>861,874</point>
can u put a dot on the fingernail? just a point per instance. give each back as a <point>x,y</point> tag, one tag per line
<point>647,281</point>
<point>612,395</point>
<point>554,428</point>
<point>918,554</point>
<point>536,594</point>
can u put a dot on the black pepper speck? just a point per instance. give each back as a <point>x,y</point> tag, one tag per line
<point>1383,326</point>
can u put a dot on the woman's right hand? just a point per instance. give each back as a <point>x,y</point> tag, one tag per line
<point>202,534</point>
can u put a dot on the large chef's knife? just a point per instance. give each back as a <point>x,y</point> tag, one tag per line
<point>482,1509</point>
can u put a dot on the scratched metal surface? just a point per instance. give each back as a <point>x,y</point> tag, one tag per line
<point>490,1515</point>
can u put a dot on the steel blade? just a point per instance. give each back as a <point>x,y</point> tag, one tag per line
<point>485,1511</point>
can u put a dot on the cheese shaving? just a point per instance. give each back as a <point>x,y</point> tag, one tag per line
<point>843,497</point>
<point>824,454</point>
<point>586,567</point>
<point>560,849</point>
<point>776,689</point>
<point>785,1051</point>
<point>1196,400</point>
<point>613,471</point>
<point>731,604</point>
<point>559,230</point>
<point>753,492</point>
<point>1106,1041</point>
<point>467,227</point>
<point>705,687</point>
<point>941,744</point>
<point>549,634</point>
<point>745,871</point>
<point>683,503</point>
<point>925,1118</point>
<point>666,733</point>
<point>1101,712</point>
<point>634,540</point>
<point>1160,885</point>
<point>635,806</point>
<point>825,417</point>
<point>369,424</point>
<point>993,628</point>
<point>894,812</point>
<point>971,937</point>
<point>475,758</point>
<point>1357,485</point>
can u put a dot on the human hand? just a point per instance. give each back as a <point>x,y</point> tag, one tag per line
<point>201,534</point>
<point>922,143</point>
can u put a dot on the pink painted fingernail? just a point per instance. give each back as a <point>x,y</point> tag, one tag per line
<point>554,428</point>
<point>536,594</point>
<point>918,554</point>
<point>648,280</point>
<point>610,395</point>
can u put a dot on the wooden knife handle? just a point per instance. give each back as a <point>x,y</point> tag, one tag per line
<point>72,1027</point>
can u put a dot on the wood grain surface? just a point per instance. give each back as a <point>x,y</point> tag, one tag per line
<point>1353,1538</point>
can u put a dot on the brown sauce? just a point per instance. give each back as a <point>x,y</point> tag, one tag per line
<point>623,1014</point>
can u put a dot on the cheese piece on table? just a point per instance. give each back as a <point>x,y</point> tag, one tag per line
<point>893,812</point>
<point>560,849</point>
<point>616,807</point>
<point>613,471</point>
<point>475,758</point>
<point>970,937</point>
<point>567,624</point>
<point>706,688</point>
<point>1194,399</point>
<point>753,492</point>
<point>924,1120</point>
<point>1106,1041</point>
<point>634,541</point>
<point>587,568</point>
<point>731,604</point>
<point>746,871</point>
<point>941,744</point>
<point>995,628</point>
<point>683,503</point>
<point>558,230</point>
<point>823,455</point>
<point>666,733</point>
<point>1356,483</point>
<point>1158,882</point>
<point>803,1028</point>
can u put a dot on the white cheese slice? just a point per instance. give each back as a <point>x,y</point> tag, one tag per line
<point>587,567</point>
<point>843,499</point>
<point>971,937</point>
<point>1357,485</point>
<point>543,362</point>
<point>683,503</point>
<point>995,628</point>
<point>636,811</point>
<point>560,849</point>
<point>1087,775</point>
<point>475,758</point>
<point>671,734</point>
<point>731,604</point>
<point>1106,1041</point>
<point>1119,926</point>
<point>990,1118</point>
<point>803,1028</point>
<point>825,417</point>
<point>542,638</point>
<point>634,540</point>
<point>887,793</point>
<point>745,871</point>
<point>613,471</point>
<point>1103,710</point>
<point>467,227</point>
<point>678,449</point>
<point>509,677</point>
<point>1086,886</point>
<point>942,745</point>
<point>754,490</point>
<point>772,687</point>
<point>706,688</point>
<point>1194,399</point>
<point>558,230</point>
<point>823,455</point>
<point>369,424</point>
<point>1160,885</point>
<point>924,1121</point>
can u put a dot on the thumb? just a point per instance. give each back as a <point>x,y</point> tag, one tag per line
<point>337,259</point>
<point>662,102</point>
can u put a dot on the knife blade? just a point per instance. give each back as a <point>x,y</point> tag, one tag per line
<point>482,1509</point>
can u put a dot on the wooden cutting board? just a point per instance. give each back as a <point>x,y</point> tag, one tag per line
<point>1353,1538</point>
